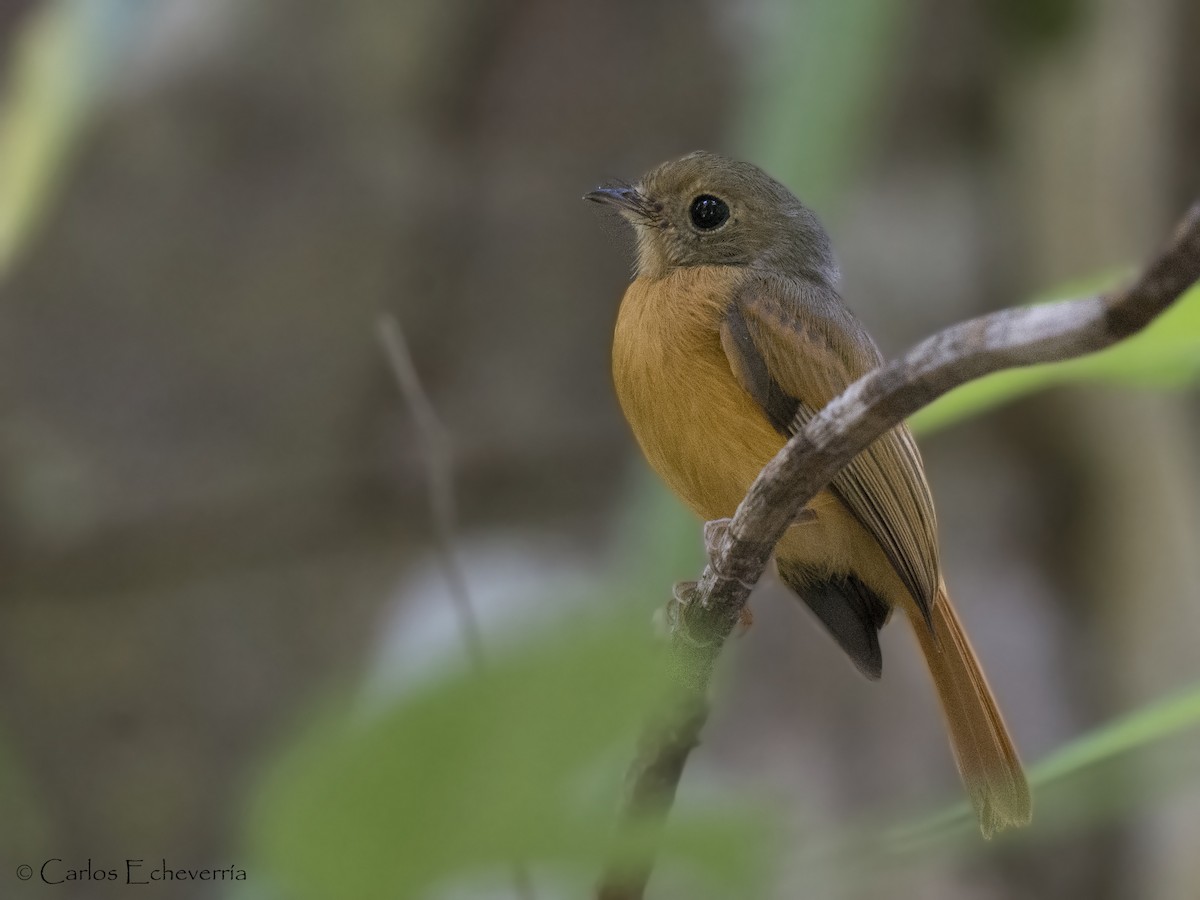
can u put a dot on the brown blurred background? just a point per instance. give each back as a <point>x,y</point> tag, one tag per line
<point>209,487</point>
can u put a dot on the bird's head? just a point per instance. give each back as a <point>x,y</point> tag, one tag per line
<point>705,209</point>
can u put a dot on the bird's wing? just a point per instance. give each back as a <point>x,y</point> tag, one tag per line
<point>794,346</point>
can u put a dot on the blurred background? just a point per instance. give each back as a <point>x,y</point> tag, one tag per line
<point>214,527</point>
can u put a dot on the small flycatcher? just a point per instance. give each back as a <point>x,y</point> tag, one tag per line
<point>731,337</point>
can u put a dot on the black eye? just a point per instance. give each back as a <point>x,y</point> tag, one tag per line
<point>709,212</point>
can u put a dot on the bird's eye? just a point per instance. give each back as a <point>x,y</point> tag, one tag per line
<point>709,212</point>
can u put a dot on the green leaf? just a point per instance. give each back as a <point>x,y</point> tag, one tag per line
<point>1155,722</point>
<point>64,55</point>
<point>474,772</point>
<point>1164,355</point>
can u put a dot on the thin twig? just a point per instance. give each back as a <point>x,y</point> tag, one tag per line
<point>440,479</point>
<point>875,403</point>
<point>443,508</point>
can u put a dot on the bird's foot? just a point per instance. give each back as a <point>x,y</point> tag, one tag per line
<point>714,534</point>
<point>803,517</point>
<point>671,621</point>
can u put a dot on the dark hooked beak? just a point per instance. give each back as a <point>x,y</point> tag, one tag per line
<point>626,199</point>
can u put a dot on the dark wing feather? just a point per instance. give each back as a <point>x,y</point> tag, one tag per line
<point>791,341</point>
<point>750,369</point>
<point>850,611</point>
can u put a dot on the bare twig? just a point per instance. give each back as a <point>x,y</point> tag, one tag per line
<point>440,476</point>
<point>875,403</point>
<point>442,505</point>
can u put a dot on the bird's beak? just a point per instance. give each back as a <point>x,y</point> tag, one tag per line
<point>625,198</point>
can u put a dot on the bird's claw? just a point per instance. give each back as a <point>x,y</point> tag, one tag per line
<point>714,533</point>
<point>804,516</point>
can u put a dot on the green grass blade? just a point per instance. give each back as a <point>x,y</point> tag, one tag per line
<point>1139,730</point>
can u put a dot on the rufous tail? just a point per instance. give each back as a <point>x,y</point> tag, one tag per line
<point>986,757</point>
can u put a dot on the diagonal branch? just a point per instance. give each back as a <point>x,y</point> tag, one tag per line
<point>875,403</point>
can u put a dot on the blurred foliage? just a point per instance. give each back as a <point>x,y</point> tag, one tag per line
<point>811,90</point>
<point>1098,778</point>
<point>1164,355</point>
<point>64,54</point>
<point>1083,765</point>
<point>1038,24</point>
<point>473,771</point>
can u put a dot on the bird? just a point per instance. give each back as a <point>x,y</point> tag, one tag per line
<point>730,337</point>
